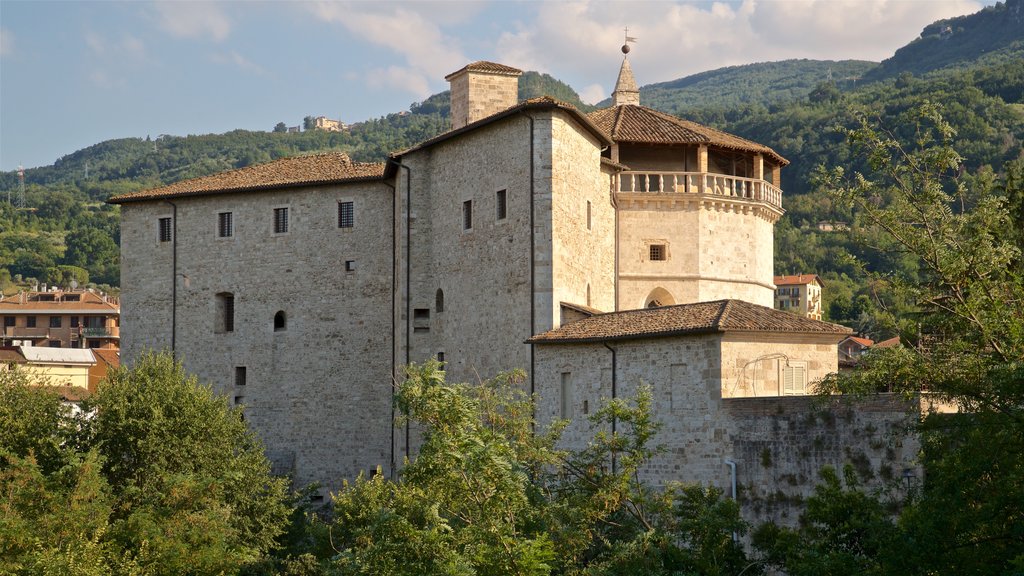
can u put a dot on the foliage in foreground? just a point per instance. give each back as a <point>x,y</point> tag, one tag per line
<point>965,235</point>
<point>488,495</point>
<point>156,476</point>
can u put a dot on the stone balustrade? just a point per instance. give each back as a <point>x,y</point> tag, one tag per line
<point>698,183</point>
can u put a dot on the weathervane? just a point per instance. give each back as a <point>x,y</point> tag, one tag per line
<point>625,45</point>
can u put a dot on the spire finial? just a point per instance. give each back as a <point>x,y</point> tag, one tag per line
<point>625,45</point>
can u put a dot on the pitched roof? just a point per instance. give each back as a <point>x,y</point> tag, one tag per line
<point>540,103</point>
<point>797,279</point>
<point>46,355</point>
<point>488,67</point>
<point>865,342</point>
<point>324,168</point>
<point>700,318</point>
<point>642,125</point>
<point>890,343</point>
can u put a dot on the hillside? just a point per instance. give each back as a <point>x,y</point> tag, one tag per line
<point>994,34</point>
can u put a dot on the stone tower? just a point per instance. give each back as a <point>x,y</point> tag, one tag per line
<point>481,89</point>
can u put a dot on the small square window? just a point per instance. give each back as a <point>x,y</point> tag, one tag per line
<point>280,220</point>
<point>30,322</point>
<point>54,343</point>
<point>74,321</point>
<point>239,400</point>
<point>55,321</point>
<point>9,321</point>
<point>346,215</point>
<point>225,225</point>
<point>501,206</point>
<point>165,230</point>
<point>350,265</point>
<point>467,215</point>
<point>657,252</point>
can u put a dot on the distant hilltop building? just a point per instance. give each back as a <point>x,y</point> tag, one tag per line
<point>325,123</point>
<point>596,251</point>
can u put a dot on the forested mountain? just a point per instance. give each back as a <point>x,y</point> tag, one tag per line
<point>793,106</point>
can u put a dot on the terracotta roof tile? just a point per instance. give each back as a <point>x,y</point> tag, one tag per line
<point>700,318</point>
<point>325,168</point>
<point>797,279</point>
<point>865,342</point>
<point>88,302</point>
<point>485,66</point>
<point>639,124</point>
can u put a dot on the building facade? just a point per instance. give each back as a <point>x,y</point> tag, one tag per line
<point>60,319</point>
<point>800,294</point>
<point>302,287</point>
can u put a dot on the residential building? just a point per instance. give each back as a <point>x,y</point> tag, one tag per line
<point>851,349</point>
<point>61,319</point>
<point>325,123</point>
<point>800,294</point>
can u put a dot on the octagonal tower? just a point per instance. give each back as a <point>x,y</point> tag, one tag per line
<point>696,207</point>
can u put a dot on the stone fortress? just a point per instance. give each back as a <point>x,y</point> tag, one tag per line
<point>596,251</point>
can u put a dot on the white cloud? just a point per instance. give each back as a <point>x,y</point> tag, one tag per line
<point>410,30</point>
<point>6,42</point>
<point>193,19</point>
<point>581,39</point>
<point>232,58</point>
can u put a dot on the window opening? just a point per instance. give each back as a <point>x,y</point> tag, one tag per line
<point>467,215</point>
<point>565,405</point>
<point>501,206</point>
<point>280,321</point>
<point>30,322</point>
<point>54,343</point>
<point>55,322</point>
<point>226,312</point>
<point>439,301</point>
<point>657,252</point>
<point>165,229</point>
<point>240,375</point>
<point>794,378</point>
<point>346,215</point>
<point>589,219</point>
<point>225,225</point>
<point>280,220</point>
<point>350,265</point>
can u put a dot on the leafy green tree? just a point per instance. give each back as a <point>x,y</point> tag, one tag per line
<point>967,349</point>
<point>280,127</point>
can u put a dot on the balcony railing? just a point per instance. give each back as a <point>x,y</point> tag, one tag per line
<point>699,183</point>
<point>99,333</point>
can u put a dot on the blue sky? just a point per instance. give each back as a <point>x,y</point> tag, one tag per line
<point>75,73</point>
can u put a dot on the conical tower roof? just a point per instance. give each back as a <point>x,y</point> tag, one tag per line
<point>626,90</point>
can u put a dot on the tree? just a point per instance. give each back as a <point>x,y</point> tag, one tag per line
<point>487,495</point>
<point>967,349</point>
<point>308,123</point>
<point>156,476</point>
<point>280,127</point>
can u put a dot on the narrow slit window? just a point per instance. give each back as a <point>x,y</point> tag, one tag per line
<point>240,375</point>
<point>280,321</point>
<point>501,206</point>
<point>439,301</point>
<point>565,404</point>
<point>225,312</point>
<point>467,215</point>
<point>346,215</point>
<point>589,216</point>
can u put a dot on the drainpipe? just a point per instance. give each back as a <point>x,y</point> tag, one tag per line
<point>394,290</point>
<point>408,281</point>
<point>732,465</point>
<point>174,277</point>
<point>614,393</point>
<point>533,283</point>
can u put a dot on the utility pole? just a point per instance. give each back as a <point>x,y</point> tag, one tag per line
<point>21,187</point>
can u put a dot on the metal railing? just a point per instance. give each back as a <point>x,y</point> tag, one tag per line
<point>698,183</point>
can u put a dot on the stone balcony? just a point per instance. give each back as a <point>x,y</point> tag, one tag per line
<point>698,183</point>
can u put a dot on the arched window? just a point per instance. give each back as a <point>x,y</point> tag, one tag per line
<point>659,297</point>
<point>225,312</point>
<point>280,321</point>
<point>439,301</point>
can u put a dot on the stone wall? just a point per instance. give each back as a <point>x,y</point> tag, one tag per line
<point>778,443</point>
<point>318,392</point>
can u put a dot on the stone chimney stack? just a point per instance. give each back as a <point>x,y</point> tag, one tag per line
<point>481,89</point>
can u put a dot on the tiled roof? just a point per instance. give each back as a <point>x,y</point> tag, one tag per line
<point>639,124</point>
<point>890,343</point>
<point>325,168</point>
<point>865,342</point>
<point>797,279</point>
<point>581,308</point>
<point>485,66</point>
<point>88,302</point>
<point>540,103</point>
<point>700,318</point>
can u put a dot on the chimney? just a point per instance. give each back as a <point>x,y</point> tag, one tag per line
<point>481,89</point>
